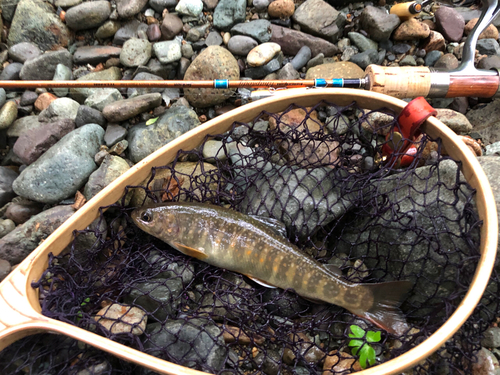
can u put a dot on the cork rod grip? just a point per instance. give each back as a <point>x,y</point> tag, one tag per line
<point>400,82</point>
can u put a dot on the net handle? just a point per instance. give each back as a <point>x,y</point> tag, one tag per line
<point>20,310</point>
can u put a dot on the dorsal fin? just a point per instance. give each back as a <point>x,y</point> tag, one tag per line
<point>275,225</point>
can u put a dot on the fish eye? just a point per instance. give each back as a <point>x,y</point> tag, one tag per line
<point>146,217</point>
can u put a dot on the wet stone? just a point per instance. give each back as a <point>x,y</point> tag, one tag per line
<point>262,54</point>
<point>6,226</point>
<point>119,319</point>
<point>135,52</point>
<point>88,15</point>
<point>7,177</point>
<point>62,73</point>
<point>88,115</point>
<point>20,213</point>
<point>11,72</point>
<point>8,114</point>
<point>23,51</point>
<point>259,30</point>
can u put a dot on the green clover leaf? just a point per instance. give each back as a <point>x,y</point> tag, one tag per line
<point>361,348</point>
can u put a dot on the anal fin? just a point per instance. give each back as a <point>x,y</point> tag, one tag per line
<point>192,252</point>
<point>260,282</point>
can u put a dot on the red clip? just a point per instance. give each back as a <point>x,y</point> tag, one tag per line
<point>399,147</point>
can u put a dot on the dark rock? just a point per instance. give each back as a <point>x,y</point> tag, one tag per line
<point>378,22</point>
<point>291,41</point>
<point>153,32</point>
<point>259,30</point>
<point>460,105</point>
<point>301,58</point>
<point>450,23</point>
<point>447,62</point>
<point>114,133</point>
<point>320,18</point>
<point>241,45</point>
<point>19,243</point>
<point>171,26</point>
<point>491,338</point>
<point>28,97</point>
<point>87,115</point>
<point>46,30</point>
<point>129,8</point>
<point>488,47</point>
<point>362,42</point>
<point>31,145</point>
<point>23,51</point>
<point>264,70</point>
<point>88,15</point>
<point>127,108</point>
<point>129,30</point>
<point>63,169</point>
<point>408,60</point>
<point>213,39</point>
<point>143,76</point>
<point>20,213</point>
<point>95,54</point>
<point>44,66</point>
<point>432,57</point>
<point>228,13</point>
<point>400,48</point>
<point>7,177</point>
<point>145,139</point>
<point>11,72</point>
<point>366,58</point>
<point>490,62</point>
<point>8,9</point>
<point>111,168</point>
<point>484,121</point>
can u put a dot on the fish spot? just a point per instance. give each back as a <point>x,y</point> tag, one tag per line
<point>249,252</point>
<point>351,297</point>
<point>261,260</point>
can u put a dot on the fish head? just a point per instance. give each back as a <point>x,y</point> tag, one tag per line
<point>158,221</point>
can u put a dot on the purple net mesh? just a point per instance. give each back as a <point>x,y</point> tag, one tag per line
<point>321,173</point>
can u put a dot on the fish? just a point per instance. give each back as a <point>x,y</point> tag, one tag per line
<point>241,243</point>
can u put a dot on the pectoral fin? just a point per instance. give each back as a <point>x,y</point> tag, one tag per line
<point>260,282</point>
<point>192,252</point>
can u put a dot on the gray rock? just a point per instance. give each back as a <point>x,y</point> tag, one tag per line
<point>364,59</point>
<point>135,52</point>
<point>320,18</point>
<point>107,29</point>
<point>127,108</point>
<point>28,98</point>
<point>362,42</point>
<point>431,58</point>
<point>379,23</point>
<point>145,139</point>
<point>5,268</point>
<point>488,47</point>
<point>228,13</point>
<point>88,15</point>
<point>162,267</point>
<point>160,5</point>
<point>129,30</point>
<point>486,364</point>
<point>7,177</point>
<point>44,66</point>
<point>187,50</point>
<point>95,54</point>
<point>213,39</point>
<point>301,58</point>
<point>46,30</point>
<point>264,70</point>
<point>143,76</point>
<point>195,343</point>
<point>493,149</point>
<point>63,169</point>
<point>31,145</point>
<point>3,96</point>
<point>168,51</point>
<point>88,115</point>
<point>8,114</point>
<point>241,45</point>
<point>315,61</point>
<point>490,62</point>
<point>22,125</point>
<point>6,226</point>
<point>65,4</point>
<point>491,338</point>
<point>129,8</point>
<point>401,48</point>
<point>454,120</point>
<point>11,72</point>
<point>288,72</point>
<point>62,73</point>
<point>19,243</point>
<point>259,30</point>
<point>261,5</point>
<point>111,168</point>
<point>8,9</point>
<point>23,51</point>
<point>60,108</point>
<point>100,98</point>
<point>408,60</point>
<point>485,121</point>
<point>114,133</point>
<point>291,41</point>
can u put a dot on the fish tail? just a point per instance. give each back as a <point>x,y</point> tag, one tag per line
<point>385,312</point>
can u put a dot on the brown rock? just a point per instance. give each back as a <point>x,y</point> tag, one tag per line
<point>32,144</point>
<point>124,109</point>
<point>450,23</point>
<point>490,32</point>
<point>43,101</point>
<point>119,319</point>
<point>171,26</point>
<point>344,69</point>
<point>411,29</point>
<point>5,269</point>
<point>435,42</point>
<point>153,32</point>
<point>20,213</point>
<point>447,62</point>
<point>129,8</point>
<point>291,41</point>
<point>95,54</point>
<point>281,9</point>
<point>430,23</point>
<point>339,362</point>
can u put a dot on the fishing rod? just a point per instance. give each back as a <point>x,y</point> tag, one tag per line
<point>400,82</point>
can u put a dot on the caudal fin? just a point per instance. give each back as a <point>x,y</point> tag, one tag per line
<point>385,312</point>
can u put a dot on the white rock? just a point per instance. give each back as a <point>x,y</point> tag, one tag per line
<point>190,7</point>
<point>263,53</point>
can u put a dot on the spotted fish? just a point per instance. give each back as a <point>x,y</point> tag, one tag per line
<point>241,243</point>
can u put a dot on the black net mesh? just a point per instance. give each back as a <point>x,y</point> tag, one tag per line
<point>321,173</point>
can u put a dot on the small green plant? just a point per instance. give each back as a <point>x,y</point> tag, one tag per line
<point>361,348</point>
<point>79,315</point>
<point>151,121</point>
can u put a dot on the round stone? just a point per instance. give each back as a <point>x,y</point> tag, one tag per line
<point>135,52</point>
<point>241,45</point>
<point>8,114</point>
<point>281,9</point>
<point>168,51</point>
<point>263,53</point>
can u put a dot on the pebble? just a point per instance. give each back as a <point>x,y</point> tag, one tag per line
<point>102,97</point>
<point>301,58</point>
<point>265,70</point>
<point>489,62</point>
<point>153,32</point>
<point>122,319</point>
<point>362,42</point>
<point>60,108</point>
<point>454,120</point>
<point>7,177</point>
<point>315,61</point>
<point>107,30</point>
<point>63,169</point>
<point>94,54</point>
<point>291,41</point>
<point>435,42</point>
<point>490,32</point>
<point>6,226</point>
<point>450,23</point>
<point>491,338</point>
<point>488,47</point>
<point>124,109</point>
<point>44,66</point>
<point>262,54</point>
<point>11,72</point>
<point>281,9</point>
<point>23,51</point>
<point>135,52</point>
<point>28,98</point>
<point>129,8</point>
<point>319,18</point>
<point>431,57</point>
<point>21,241</point>
<point>261,5</point>
<point>110,169</point>
<point>129,30</point>
<point>288,72</point>
<point>411,29</point>
<point>213,39</point>
<point>8,114</point>
<point>88,115</point>
<point>171,26</point>
<point>189,7</point>
<point>408,60</point>
<point>23,125</point>
<point>20,213</point>
<point>88,15</point>
<point>447,62</point>
<point>379,22</point>
<point>31,145</point>
<point>486,364</point>
<point>62,73</point>
<point>114,133</point>
<point>343,69</point>
<point>228,13</point>
<point>167,52</point>
<point>259,30</point>
<point>143,76</point>
<point>161,5</point>
<point>5,267</point>
<point>241,45</point>
<point>492,150</point>
<point>365,58</point>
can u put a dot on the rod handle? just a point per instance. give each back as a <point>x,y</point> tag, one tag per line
<point>400,82</point>
<point>406,10</point>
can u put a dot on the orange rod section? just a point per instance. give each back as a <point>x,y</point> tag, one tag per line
<point>479,86</point>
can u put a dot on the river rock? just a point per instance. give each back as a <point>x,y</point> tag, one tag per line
<point>88,15</point>
<point>145,139</point>
<point>160,5</point>
<point>264,70</point>
<point>5,267</point>
<point>454,120</point>
<point>31,145</point>
<point>364,59</point>
<point>168,52</point>
<point>491,338</point>
<point>135,52</point>
<point>488,47</point>
<point>87,115</point>
<point>8,9</point>
<point>6,226</point>
<point>435,42</point>
<point>8,114</point>
<point>490,62</point>
<point>62,73</point>
<point>60,108</point>
<point>411,29</point>
<point>228,13</point>
<point>107,30</point>
<point>171,26</point>
<point>28,98</point>
<point>301,58</point>
<point>143,76</point>
<point>362,42</point>
<point>203,68</point>
<point>291,41</point>
<point>111,168</point>
<point>486,364</point>
<point>114,133</point>
<point>130,29</point>
<point>3,97</point>
<point>191,8</point>
<point>46,30</point>
<point>432,57</point>
<point>343,69</point>
<point>11,72</point>
<point>63,169</point>
<point>100,98</point>
<point>319,18</point>
<point>484,121</point>
<point>281,9</point>
<point>7,177</point>
<point>450,23</point>
<point>447,62</point>
<point>127,108</point>
<point>22,125</point>
<point>95,54</point>
<point>129,8</point>
<point>19,243</point>
<point>23,51</point>
<point>262,54</point>
<point>378,22</point>
<point>259,30</point>
<point>241,45</point>
<point>490,32</point>
<point>21,212</point>
<point>44,66</point>
<point>119,319</point>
